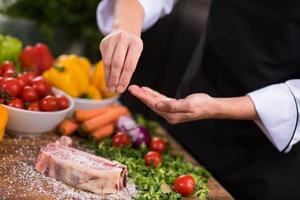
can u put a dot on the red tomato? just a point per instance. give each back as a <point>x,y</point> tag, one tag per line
<point>121,139</point>
<point>23,80</point>
<point>41,86</point>
<point>12,87</point>
<point>158,144</point>
<point>17,103</point>
<point>1,80</point>
<point>9,74</point>
<point>49,103</point>
<point>153,158</point>
<point>63,102</point>
<point>29,94</point>
<point>2,101</point>
<point>34,106</point>
<point>7,65</point>
<point>184,185</point>
<point>30,75</point>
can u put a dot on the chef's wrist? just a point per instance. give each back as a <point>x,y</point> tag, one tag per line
<point>128,29</point>
<point>239,108</point>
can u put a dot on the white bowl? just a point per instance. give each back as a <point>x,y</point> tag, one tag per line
<point>30,123</point>
<point>92,103</point>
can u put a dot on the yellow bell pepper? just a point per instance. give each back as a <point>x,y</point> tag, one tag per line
<point>79,67</point>
<point>86,65</point>
<point>98,79</point>
<point>71,74</point>
<point>93,92</point>
<point>58,77</point>
<point>3,121</point>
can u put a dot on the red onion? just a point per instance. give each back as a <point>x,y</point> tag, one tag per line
<point>140,135</point>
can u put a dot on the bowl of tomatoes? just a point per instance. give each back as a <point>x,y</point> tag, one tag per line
<point>34,107</point>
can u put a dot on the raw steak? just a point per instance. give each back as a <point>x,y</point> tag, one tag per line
<point>80,169</point>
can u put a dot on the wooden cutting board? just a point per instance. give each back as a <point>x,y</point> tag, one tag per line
<point>19,180</point>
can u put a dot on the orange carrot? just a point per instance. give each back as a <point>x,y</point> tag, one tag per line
<point>68,127</point>
<point>104,119</point>
<point>103,132</point>
<point>84,115</point>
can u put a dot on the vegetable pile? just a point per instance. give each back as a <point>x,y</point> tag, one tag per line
<point>73,74</point>
<point>28,91</point>
<point>21,83</point>
<point>155,169</point>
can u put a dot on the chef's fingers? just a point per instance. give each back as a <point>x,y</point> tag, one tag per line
<point>117,62</point>
<point>133,55</point>
<point>155,93</point>
<point>150,101</point>
<point>173,106</point>
<point>146,98</point>
<point>107,48</point>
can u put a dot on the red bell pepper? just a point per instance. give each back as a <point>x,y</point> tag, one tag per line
<point>38,58</point>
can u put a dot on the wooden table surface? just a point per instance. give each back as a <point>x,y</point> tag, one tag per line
<point>16,151</point>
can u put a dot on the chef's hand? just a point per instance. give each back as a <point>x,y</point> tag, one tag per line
<point>120,53</point>
<point>196,106</point>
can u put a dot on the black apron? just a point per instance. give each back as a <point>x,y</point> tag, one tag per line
<point>249,44</point>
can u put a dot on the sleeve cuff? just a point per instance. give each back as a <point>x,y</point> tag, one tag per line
<point>104,14</point>
<point>155,9</point>
<point>277,109</point>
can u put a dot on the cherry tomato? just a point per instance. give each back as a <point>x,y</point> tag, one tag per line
<point>11,86</point>
<point>158,144</point>
<point>7,65</point>
<point>17,103</point>
<point>121,139</point>
<point>63,102</point>
<point>41,86</point>
<point>184,185</point>
<point>9,74</point>
<point>29,94</point>
<point>34,106</point>
<point>30,75</point>
<point>153,158</point>
<point>23,80</point>
<point>49,103</point>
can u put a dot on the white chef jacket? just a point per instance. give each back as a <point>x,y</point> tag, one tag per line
<point>277,105</point>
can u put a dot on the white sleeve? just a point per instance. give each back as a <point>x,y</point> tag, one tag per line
<point>278,108</point>
<point>154,9</point>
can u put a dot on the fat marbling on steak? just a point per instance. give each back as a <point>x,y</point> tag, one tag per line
<point>81,169</point>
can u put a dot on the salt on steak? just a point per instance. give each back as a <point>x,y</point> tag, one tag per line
<point>80,169</point>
